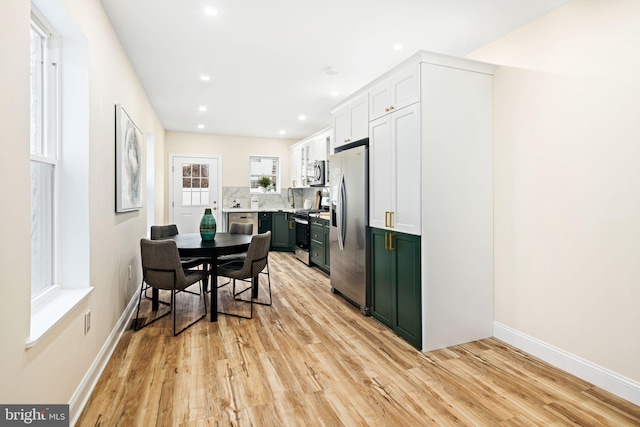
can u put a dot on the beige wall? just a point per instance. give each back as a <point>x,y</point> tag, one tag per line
<point>14,214</point>
<point>235,152</point>
<point>51,371</point>
<point>566,181</point>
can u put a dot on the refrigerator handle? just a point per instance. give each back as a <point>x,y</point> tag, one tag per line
<point>341,212</point>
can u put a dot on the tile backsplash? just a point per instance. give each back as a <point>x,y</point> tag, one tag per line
<point>268,200</point>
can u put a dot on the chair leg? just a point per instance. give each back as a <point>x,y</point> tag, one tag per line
<point>173,308</point>
<point>143,290</point>
<point>268,273</point>
<point>146,288</point>
<point>204,301</point>
<point>224,284</point>
<point>234,294</point>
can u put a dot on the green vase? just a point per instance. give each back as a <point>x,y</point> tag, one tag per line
<point>208,225</point>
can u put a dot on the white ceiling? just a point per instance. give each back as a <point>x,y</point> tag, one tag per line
<point>268,60</point>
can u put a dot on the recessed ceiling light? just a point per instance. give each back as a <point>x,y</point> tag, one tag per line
<point>210,11</point>
<point>332,71</point>
<point>200,126</point>
<point>205,77</point>
<point>398,46</point>
<point>302,117</point>
<point>203,108</point>
<point>282,132</point>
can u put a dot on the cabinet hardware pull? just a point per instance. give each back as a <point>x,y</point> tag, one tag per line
<point>386,110</point>
<point>391,219</point>
<point>290,225</point>
<point>386,219</point>
<point>391,108</point>
<point>391,248</point>
<point>386,245</point>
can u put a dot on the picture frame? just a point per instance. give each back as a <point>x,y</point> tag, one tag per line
<point>129,162</point>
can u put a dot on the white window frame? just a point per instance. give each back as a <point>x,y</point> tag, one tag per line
<point>71,209</point>
<point>257,190</point>
<point>50,144</point>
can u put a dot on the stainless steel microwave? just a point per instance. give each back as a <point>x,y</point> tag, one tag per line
<point>317,179</point>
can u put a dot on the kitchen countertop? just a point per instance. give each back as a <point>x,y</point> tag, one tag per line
<point>233,210</point>
<point>322,215</point>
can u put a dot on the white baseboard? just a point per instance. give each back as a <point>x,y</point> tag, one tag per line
<point>84,390</point>
<point>608,380</point>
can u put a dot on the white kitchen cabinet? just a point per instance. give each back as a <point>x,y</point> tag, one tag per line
<point>303,153</point>
<point>295,170</point>
<point>431,175</point>
<point>318,147</point>
<point>395,92</point>
<point>351,121</point>
<point>395,171</point>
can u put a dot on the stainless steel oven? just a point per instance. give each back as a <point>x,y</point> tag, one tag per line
<point>303,234</point>
<point>302,237</point>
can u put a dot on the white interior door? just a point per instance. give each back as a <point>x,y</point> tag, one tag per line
<point>195,187</point>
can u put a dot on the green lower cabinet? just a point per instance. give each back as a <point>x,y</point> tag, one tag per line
<point>292,234</point>
<point>282,231</point>
<point>320,248</point>
<point>382,279</point>
<point>316,254</point>
<point>395,282</point>
<point>264,222</point>
<point>327,247</point>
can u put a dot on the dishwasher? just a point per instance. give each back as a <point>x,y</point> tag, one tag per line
<point>244,218</point>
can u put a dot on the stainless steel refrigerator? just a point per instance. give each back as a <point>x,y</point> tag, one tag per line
<point>349,233</point>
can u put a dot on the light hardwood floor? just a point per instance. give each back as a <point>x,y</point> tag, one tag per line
<point>311,359</point>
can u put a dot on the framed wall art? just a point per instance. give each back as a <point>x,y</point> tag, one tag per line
<point>128,163</point>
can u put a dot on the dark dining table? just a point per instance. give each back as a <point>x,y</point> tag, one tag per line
<point>192,245</point>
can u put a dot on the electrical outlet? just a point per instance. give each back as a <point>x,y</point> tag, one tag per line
<point>87,322</point>
<point>129,271</point>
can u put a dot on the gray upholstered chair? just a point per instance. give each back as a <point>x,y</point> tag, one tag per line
<point>241,228</point>
<point>235,228</point>
<point>246,270</point>
<point>162,269</point>
<point>163,231</point>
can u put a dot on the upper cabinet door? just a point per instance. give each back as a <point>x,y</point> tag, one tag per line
<point>381,172</point>
<point>341,126</point>
<point>295,175</point>
<point>405,88</point>
<point>405,134</point>
<point>351,121</point>
<point>360,119</point>
<point>394,171</point>
<point>379,100</point>
<point>398,91</point>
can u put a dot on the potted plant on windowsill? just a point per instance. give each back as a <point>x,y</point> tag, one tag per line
<point>264,182</point>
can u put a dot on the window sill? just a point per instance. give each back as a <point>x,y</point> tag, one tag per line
<point>49,314</point>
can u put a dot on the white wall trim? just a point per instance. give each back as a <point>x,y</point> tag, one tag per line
<point>83,392</point>
<point>608,380</point>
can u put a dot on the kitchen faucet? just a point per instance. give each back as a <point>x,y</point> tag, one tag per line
<point>291,198</point>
